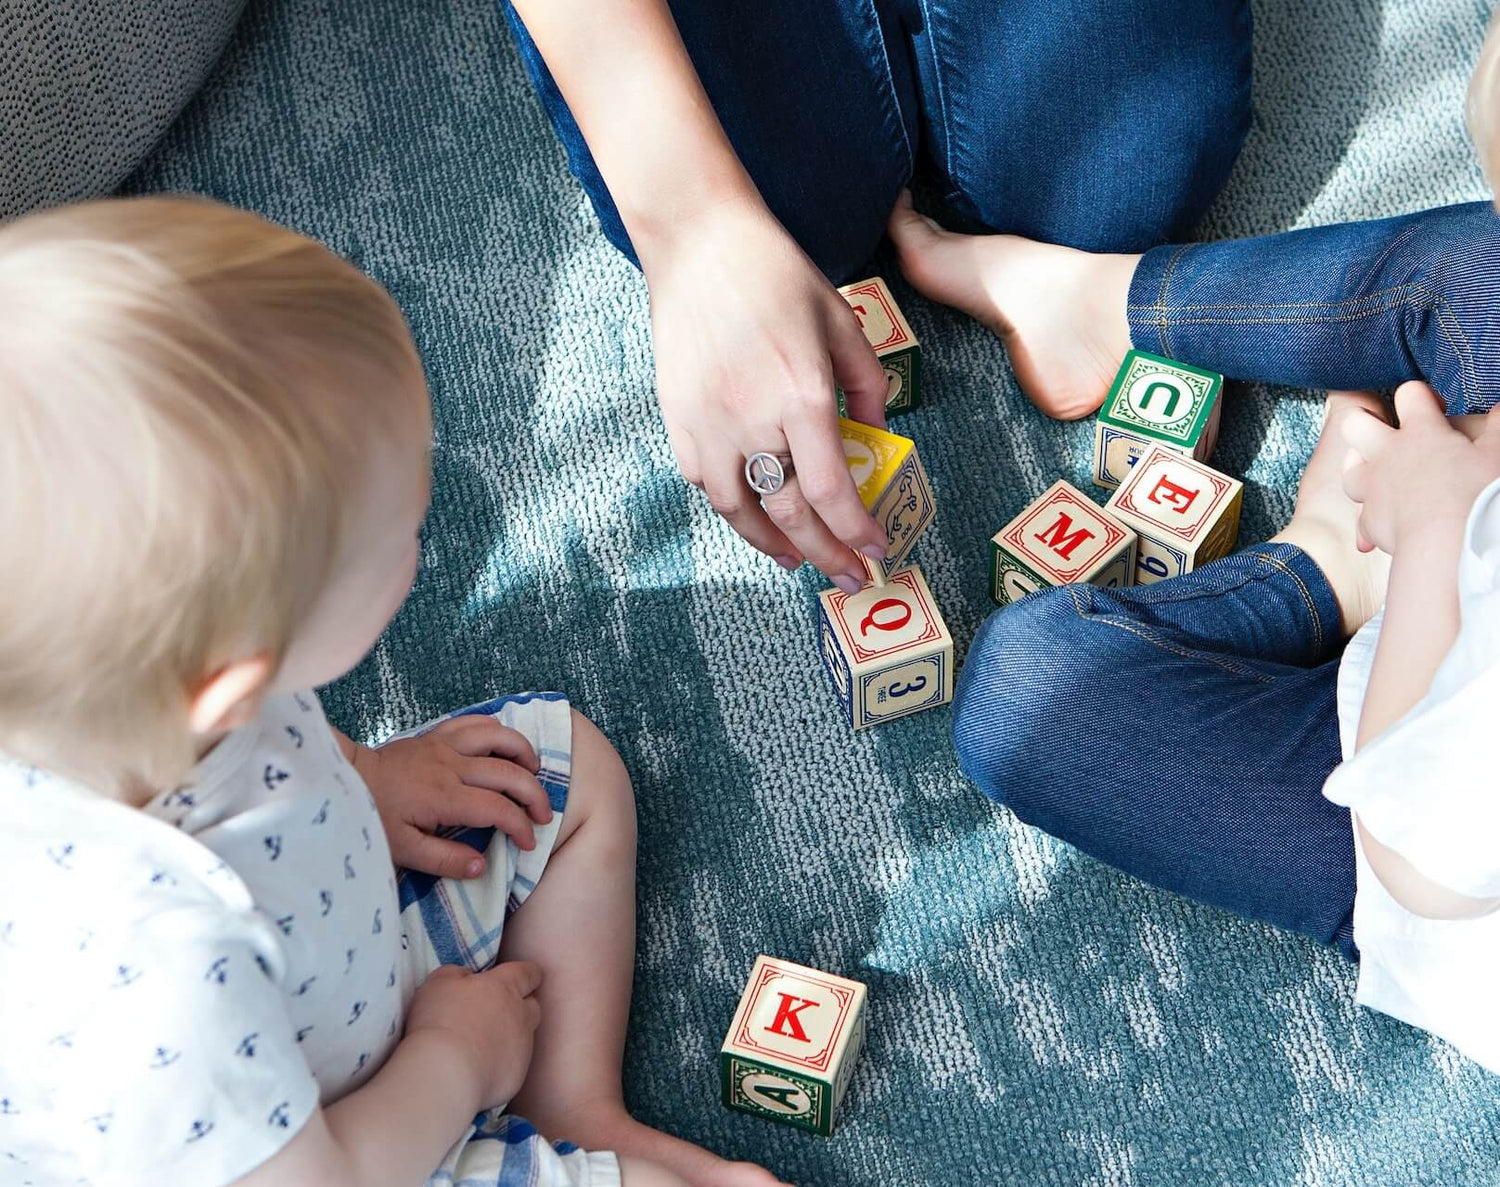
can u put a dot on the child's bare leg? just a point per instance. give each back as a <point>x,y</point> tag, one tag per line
<point>579,925</point>
<point>1060,312</point>
<point>1323,523</point>
<point>635,1173</point>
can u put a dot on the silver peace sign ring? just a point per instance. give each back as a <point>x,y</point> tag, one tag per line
<point>767,472</point>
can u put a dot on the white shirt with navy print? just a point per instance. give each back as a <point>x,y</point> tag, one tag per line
<point>181,984</point>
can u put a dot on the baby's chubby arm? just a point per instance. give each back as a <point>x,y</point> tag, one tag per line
<point>467,1047</point>
<point>1417,485</point>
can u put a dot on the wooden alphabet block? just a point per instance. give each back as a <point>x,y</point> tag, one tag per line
<point>895,345</point>
<point>1155,401</point>
<point>791,1049</point>
<point>1186,513</point>
<point>1061,537</point>
<point>893,486</point>
<point>886,648</point>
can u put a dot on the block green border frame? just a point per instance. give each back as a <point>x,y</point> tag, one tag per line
<point>1216,393</point>
<point>819,1121</point>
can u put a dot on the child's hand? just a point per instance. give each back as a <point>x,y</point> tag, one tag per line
<point>492,1015</point>
<point>1421,477</point>
<point>451,776</point>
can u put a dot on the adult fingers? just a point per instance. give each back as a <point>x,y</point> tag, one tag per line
<point>515,782</point>
<point>685,450</point>
<point>855,367</point>
<point>823,477</point>
<point>730,495</point>
<point>795,516</point>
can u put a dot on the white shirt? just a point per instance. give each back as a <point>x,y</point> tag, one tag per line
<point>1429,788</point>
<point>180,985</point>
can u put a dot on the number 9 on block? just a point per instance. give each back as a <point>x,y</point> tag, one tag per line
<point>886,648</point>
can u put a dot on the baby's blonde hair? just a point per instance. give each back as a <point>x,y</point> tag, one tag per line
<point>187,398</point>
<point>1482,108</point>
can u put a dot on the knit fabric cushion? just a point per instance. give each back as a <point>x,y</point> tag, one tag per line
<point>88,86</point>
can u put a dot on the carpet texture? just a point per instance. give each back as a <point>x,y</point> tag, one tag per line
<point>1035,1017</point>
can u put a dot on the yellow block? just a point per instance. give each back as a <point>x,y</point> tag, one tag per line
<point>874,456</point>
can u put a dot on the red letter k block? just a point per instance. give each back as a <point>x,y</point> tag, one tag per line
<point>786,1016</point>
<point>1179,498</point>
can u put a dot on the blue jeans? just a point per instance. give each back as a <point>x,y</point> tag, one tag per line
<point>1179,731</point>
<point>1357,305</point>
<point>1182,731</point>
<point>1095,123</point>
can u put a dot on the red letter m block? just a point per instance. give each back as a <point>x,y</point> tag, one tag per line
<point>1061,537</point>
<point>786,1016</point>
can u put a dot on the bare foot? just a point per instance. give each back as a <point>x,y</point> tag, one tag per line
<point>607,1126</point>
<point>1060,312</point>
<point>1323,523</point>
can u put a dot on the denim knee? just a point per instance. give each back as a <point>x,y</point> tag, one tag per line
<point>1130,152</point>
<point>1027,671</point>
<point>1446,266</point>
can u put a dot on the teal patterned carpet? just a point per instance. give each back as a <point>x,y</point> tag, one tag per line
<point>1036,1018</point>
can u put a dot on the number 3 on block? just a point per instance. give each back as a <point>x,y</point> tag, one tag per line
<point>887,649</point>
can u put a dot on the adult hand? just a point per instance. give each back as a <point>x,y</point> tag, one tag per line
<point>750,339</point>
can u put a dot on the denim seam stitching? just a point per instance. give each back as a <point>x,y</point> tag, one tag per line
<point>1160,319</point>
<point>1403,296</point>
<point>1159,593</point>
<point>1449,325</point>
<point>942,91</point>
<point>1162,645</point>
<point>1307,598</point>
<point>1399,292</point>
<point>891,103</point>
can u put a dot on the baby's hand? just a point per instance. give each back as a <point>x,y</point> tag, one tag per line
<point>1421,477</point>
<point>451,776</point>
<point>492,1016</point>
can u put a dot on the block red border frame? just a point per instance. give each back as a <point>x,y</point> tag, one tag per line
<point>875,288</point>
<point>1123,499</point>
<point>858,653</point>
<point>819,1063</point>
<point>1015,534</point>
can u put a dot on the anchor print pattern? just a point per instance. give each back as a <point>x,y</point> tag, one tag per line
<point>342,1000</point>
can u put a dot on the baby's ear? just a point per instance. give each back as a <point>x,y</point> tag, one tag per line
<point>1482,107</point>
<point>231,697</point>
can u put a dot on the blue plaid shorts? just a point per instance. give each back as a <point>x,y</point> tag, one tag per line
<point>446,921</point>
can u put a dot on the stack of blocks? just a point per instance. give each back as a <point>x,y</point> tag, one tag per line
<point>792,1045</point>
<point>887,650</point>
<point>1169,512</point>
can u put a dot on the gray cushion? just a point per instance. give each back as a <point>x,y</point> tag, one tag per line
<point>87,87</point>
